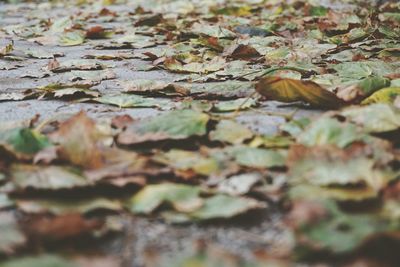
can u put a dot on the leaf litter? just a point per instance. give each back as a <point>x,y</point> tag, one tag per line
<point>333,179</point>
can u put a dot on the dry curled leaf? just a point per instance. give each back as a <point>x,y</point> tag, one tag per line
<point>290,90</point>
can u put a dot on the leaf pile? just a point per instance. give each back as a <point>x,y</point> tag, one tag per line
<point>333,177</point>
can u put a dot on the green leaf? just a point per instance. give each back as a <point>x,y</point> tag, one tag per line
<point>187,204</point>
<point>182,160</point>
<point>355,93</point>
<point>339,193</point>
<point>230,132</point>
<point>223,90</point>
<point>390,32</point>
<point>336,167</point>
<point>143,86</point>
<point>257,157</point>
<point>23,141</point>
<point>363,69</point>
<point>372,84</point>
<point>46,177</point>
<point>375,118</point>
<point>385,95</point>
<point>134,101</point>
<point>67,206</point>
<point>295,127</point>
<point>41,54</point>
<point>318,11</point>
<point>72,38</point>
<point>181,197</point>
<point>339,232</point>
<point>390,16</point>
<point>233,105</point>
<point>179,124</point>
<point>61,24</point>
<point>223,206</point>
<point>271,141</point>
<point>329,131</point>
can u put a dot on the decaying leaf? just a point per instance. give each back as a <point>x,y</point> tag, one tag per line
<point>155,87</point>
<point>178,124</point>
<point>11,236</point>
<point>68,206</point>
<point>363,89</point>
<point>23,142</point>
<point>289,90</point>
<point>231,132</point>
<point>39,261</point>
<point>329,131</point>
<point>177,154</point>
<point>187,201</point>
<point>134,101</point>
<point>79,141</point>
<point>375,118</point>
<point>386,95</point>
<point>239,184</point>
<point>6,50</point>
<point>338,167</point>
<point>61,227</point>
<point>329,228</point>
<point>257,157</point>
<point>46,177</point>
<point>189,163</point>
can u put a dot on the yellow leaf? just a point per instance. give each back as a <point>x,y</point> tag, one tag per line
<point>289,90</point>
<point>385,95</point>
<point>6,50</point>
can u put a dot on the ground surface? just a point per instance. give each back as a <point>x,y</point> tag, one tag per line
<point>140,240</point>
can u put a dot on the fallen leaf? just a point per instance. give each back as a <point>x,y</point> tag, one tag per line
<point>257,157</point>
<point>184,198</point>
<point>289,90</point>
<point>176,125</point>
<point>375,118</point>
<point>46,177</point>
<point>239,184</point>
<point>61,227</point>
<point>79,141</point>
<point>329,131</point>
<point>151,87</point>
<point>230,132</point>
<point>11,236</point>
<point>39,261</point>
<point>68,206</point>
<point>23,142</point>
<point>385,95</point>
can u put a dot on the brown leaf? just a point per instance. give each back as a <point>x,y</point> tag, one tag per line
<point>151,20</point>
<point>61,227</point>
<point>290,90</point>
<point>305,212</point>
<point>53,64</point>
<point>95,32</point>
<point>242,51</point>
<point>121,121</point>
<point>79,141</point>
